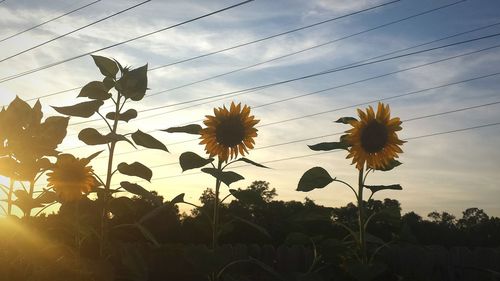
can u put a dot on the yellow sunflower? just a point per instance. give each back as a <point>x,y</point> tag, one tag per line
<point>229,132</point>
<point>373,139</point>
<point>70,177</point>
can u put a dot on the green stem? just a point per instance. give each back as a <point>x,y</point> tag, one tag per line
<point>9,197</point>
<point>215,220</point>
<point>107,186</point>
<point>361,220</point>
<point>32,190</point>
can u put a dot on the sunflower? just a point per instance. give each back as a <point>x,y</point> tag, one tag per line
<point>373,139</point>
<point>70,177</point>
<point>229,132</point>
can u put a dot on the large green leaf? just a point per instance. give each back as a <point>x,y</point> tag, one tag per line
<point>91,136</point>
<point>134,83</point>
<point>375,188</point>
<point>135,189</point>
<point>96,90</point>
<point>226,177</point>
<point>107,66</point>
<point>84,109</point>
<point>193,129</point>
<point>136,169</point>
<point>190,160</point>
<point>316,177</point>
<point>146,140</point>
<point>53,130</point>
<point>246,160</point>
<point>124,116</point>
<point>326,146</point>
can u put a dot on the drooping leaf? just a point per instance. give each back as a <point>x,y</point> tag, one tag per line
<point>326,146</point>
<point>146,140</point>
<point>134,83</point>
<point>247,196</point>
<point>135,189</point>
<point>147,234</point>
<point>253,225</point>
<point>193,129</point>
<point>346,120</point>
<point>108,82</point>
<point>375,188</point>
<point>91,136</point>
<point>135,169</point>
<point>121,206</point>
<point>119,137</point>
<point>246,160</point>
<point>392,164</point>
<point>316,177</point>
<point>124,116</point>
<point>84,109</point>
<point>107,66</point>
<point>96,90</point>
<point>190,160</point>
<point>177,199</point>
<point>226,177</point>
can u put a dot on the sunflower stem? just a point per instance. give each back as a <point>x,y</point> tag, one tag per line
<point>361,219</point>
<point>215,222</point>
<point>9,197</point>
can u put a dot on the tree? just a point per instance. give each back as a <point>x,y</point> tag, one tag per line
<point>472,217</point>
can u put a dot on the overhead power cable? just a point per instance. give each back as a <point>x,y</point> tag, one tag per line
<point>233,94</point>
<point>73,31</point>
<point>48,21</point>
<point>326,152</point>
<point>289,54</point>
<point>5,79</point>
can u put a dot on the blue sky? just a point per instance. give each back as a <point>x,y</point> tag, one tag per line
<point>446,172</point>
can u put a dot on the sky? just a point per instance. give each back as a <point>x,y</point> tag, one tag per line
<point>441,172</point>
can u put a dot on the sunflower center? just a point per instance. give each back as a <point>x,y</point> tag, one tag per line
<point>230,132</point>
<point>374,137</point>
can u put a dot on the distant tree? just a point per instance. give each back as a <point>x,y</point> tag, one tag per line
<point>472,217</point>
<point>262,188</point>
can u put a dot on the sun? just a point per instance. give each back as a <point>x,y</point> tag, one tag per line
<point>373,139</point>
<point>229,132</point>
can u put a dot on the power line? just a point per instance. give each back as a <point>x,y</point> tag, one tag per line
<point>326,152</point>
<point>5,79</point>
<point>296,52</point>
<point>47,21</point>
<point>358,105</point>
<point>73,31</point>
<point>326,72</point>
<point>274,36</point>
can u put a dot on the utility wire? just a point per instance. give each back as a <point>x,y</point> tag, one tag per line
<point>5,79</point>
<point>73,31</point>
<point>292,53</point>
<point>325,72</point>
<point>47,21</point>
<point>355,106</point>
<point>274,36</point>
<point>326,152</point>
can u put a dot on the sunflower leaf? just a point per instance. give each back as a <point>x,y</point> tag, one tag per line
<point>346,120</point>
<point>135,189</point>
<point>251,162</point>
<point>92,156</point>
<point>135,169</point>
<point>193,129</point>
<point>375,188</point>
<point>226,177</point>
<point>316,177</point>
<point>326,146</point>
<point>134,83</point>
<point>124,116</point>
<point>392,164</point>
<point>177,199</point>
<point>91,136</point>
<point>83,109</point>
<point>95,90</point>
<point>190,160</point>
<point>107,66</point>
<point>148,141</point>
<point>247,196</point>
